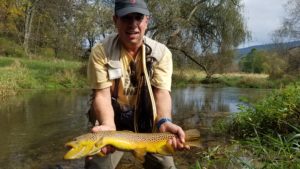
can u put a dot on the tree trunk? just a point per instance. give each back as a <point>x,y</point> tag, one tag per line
<point>28,25</point>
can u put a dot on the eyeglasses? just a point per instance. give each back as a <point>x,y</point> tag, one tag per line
<point>131,17</point>
<point>133,74</point>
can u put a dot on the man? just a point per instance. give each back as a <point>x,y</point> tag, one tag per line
<point>116,71</point>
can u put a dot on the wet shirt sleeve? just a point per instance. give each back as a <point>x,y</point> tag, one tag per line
<point>162,72</point>
<point>97,69</point>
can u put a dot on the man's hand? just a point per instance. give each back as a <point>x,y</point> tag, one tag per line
<point>105,115</point>
<point>107,149</point>
<point>177,143</point>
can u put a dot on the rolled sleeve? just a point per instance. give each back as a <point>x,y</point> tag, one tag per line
<point>162,72</point>
<point>97,70</point>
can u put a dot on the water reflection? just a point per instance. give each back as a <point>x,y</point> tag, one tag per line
<point>35,125</point>
<point>202,107</point>
<point>207,99</point>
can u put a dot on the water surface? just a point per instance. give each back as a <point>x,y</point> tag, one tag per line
<point>35,124</point>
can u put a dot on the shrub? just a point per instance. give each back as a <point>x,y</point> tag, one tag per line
<point>11,49</point>
<point>275,114</point>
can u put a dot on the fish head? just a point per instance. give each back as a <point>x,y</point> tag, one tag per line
<point>81,147</point>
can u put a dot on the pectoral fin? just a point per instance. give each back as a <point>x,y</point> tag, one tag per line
<point>98,146</point>
<point>168,149</point>
<point>140,154</point>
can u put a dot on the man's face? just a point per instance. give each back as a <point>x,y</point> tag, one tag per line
<point>131,28</point>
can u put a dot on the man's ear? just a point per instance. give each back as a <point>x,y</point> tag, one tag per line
<point>147,19</point>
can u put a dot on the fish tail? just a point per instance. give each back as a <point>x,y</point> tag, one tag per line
<point>192,138</point>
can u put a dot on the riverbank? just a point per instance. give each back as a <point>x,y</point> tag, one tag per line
<point>21,73</point>
<point>263,135</point>
<point>186,76</point>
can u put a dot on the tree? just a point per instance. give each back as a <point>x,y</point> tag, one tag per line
<point>11,17</point>
<point>205,31</point>
<point>274,65</point>
<point>291,23</point>
<point>30,9</point>
<point>290,30</point>
<point>294,61</point>
<point>97,21</point>
<point>253,62</point>
<point>259,61</point>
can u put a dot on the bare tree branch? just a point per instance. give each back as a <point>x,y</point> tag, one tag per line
<point>189,56</point>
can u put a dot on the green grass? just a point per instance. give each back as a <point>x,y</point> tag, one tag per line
<point>252,154</point>
<point>19,73</point>
<point>187,76</point>
<point>41,71</point>
<point>184,77</point>
<point>265,134</point>
<point>275,114</point>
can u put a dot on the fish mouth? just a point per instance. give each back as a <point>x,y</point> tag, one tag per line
<point>71,144</point>
<point>77,150</point>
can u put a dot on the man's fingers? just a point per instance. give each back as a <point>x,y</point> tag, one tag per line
<point>181,135</point>
<point>102,128</point>
<point>96,129</point>
<point>89,158</point>
<point>174,143</point>
<point>108,149</point>
<point>104,150</point>
<point>179,142</point>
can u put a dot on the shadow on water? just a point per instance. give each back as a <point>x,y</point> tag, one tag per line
<point>35,124</point>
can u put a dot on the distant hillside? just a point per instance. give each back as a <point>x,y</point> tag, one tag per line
<point>244,51</point>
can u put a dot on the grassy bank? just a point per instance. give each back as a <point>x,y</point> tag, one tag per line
<point>22,73</point>
<point>19,73</point>
<point>265,135</point>
<point>182,78</point>
<point>186,76</point>
<point>270,129</point>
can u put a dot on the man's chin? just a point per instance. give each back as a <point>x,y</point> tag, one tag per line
<point>134,41</point>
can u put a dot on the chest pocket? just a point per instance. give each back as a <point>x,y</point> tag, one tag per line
<point>114,69</point>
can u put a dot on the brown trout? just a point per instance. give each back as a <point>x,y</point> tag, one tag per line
<point>139,143</point>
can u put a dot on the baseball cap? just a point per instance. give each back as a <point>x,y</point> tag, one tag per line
<point>124,7</point>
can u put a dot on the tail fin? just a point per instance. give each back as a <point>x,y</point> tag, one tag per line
<point>192,138</point>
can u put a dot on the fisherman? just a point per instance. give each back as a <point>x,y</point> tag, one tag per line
<point>119,80</point>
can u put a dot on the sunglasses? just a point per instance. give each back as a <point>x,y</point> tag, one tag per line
<point>131,17</point>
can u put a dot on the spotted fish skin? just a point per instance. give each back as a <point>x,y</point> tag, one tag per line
<point>139,143</point>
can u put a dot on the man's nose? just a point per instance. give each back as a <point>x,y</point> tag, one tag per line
<point>133,21</point>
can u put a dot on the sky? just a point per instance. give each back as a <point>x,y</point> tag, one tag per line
<point>262,18</point>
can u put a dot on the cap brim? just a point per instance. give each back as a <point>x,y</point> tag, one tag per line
<point>128,10</point>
